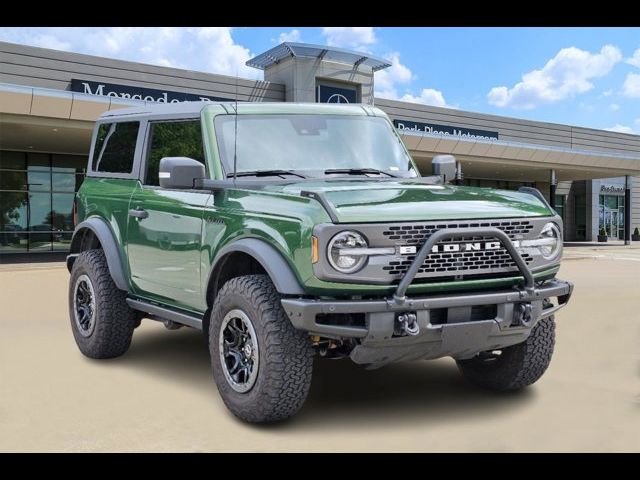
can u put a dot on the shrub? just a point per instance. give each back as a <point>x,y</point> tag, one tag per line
<point>603,232</point>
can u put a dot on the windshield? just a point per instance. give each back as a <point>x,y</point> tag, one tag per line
<point>313,145</point>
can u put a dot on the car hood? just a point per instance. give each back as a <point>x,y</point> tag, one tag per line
<point>409,200</point>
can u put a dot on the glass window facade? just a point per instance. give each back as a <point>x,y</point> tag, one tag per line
<point>560,205</point>
<point>502,184</point>
<point>611,215</point>
<point>580,216</point>
<point>36,200</point>
<point>561,208</point>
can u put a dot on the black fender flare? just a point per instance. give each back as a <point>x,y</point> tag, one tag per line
<point>107,239</point>
<point>266,255</point>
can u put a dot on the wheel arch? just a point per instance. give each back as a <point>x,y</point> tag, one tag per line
<point>266,257</point>
<point>96,233</point>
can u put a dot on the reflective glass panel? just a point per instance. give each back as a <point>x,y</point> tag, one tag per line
<point>13,211</point>
<point>62,211</point>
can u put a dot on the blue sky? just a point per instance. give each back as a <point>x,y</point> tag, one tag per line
<point>579,76</point>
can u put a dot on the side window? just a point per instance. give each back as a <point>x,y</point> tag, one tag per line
<point>172,139</point>
<point>115,147</point>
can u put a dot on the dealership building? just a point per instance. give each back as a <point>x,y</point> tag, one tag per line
<point>49,101</point>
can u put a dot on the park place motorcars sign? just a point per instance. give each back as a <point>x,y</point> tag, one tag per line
<point>419,127</point>
<point>137,93</point>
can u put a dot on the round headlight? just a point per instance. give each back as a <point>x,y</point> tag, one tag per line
<point>552,244</point>
<point>338,252</point>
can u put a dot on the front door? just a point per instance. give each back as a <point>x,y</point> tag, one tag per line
<point>164,239</point>
<point>613,230</point>
<point>164,235</point>
<point>611,222</point>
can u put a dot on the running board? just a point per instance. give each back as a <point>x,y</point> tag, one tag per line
<point>164,313</point>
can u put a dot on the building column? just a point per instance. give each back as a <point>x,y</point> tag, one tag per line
<point>458,179</point>
<point>627,210</point>
<point>553,184</point>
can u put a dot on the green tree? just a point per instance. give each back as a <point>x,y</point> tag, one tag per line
<point>56,220</point>
<point>12,207</point>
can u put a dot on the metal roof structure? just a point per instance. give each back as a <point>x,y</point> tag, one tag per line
<point>293,49</point>
<point>139,107</point>
<point>538,154</point>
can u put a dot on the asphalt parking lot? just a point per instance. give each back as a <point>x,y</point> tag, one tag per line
<point>160,396</point>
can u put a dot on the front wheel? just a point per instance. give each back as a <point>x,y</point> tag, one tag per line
<point>101,321</point>
<point>514,367</point>
<point>261,364</point>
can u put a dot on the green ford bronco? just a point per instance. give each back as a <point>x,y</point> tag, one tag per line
<point>286,231</point>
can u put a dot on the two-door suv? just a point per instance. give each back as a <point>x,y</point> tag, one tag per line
<point>285,231</point>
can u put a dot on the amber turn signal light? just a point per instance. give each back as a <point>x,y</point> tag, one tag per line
<point>314,250</point>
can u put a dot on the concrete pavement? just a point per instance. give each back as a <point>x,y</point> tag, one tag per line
<point>607,252</point>
<point>160,395</point>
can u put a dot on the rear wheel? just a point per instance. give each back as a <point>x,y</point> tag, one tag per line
<point>101,321</point>
<point>514,367</point>
<point>261,364</point>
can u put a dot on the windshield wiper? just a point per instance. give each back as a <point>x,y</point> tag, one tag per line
<point>358,171</point>
<point>266,173</point>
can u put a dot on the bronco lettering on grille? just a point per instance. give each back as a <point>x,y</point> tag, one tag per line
<point>465,247</point>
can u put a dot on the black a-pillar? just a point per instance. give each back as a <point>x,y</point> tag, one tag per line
<point>627,210</point>
<point>553,183</point>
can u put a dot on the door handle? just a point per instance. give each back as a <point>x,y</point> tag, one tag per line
<point>138,213</point>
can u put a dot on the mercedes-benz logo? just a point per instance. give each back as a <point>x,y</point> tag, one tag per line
<point>337,98</point>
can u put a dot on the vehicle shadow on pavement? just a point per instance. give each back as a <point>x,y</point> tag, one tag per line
<point>342,393</point>
<point>408,392</point>
<point>180,356</point>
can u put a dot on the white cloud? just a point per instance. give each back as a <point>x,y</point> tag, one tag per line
<point>614,107</point>
<point>223,55</point>
<point>635,59</point>
<point>292,36</point>
<point>631,86</point>
<point>587,107</point>
<point>620,129</point>
<point>49,41</point>
<point>428,96</point>
<point>356,38</point>
<point>607,93</point>
<point>210,49</point>
<point>387,81</point>
<point>637,121</point>
<point>565,75</point>
<point>164,62</point>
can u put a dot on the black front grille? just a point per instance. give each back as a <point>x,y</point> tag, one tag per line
<point>471,262</point>
<point>418,234</point>
<point>467,263</point>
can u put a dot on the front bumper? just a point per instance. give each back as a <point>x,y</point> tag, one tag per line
<point>447,326</point>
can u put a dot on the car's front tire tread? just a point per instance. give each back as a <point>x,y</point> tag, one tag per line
<point>519,365</point>
<point>286,355</point>
<point>115,320</point>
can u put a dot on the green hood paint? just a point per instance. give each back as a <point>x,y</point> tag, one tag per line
<point>406,200</point>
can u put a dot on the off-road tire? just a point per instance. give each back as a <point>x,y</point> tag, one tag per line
<point>114,319</point>
<point>285,354</point>
<point>519,365</point>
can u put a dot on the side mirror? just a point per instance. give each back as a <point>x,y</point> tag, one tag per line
<point>444,166</point>
<point>179,172</point>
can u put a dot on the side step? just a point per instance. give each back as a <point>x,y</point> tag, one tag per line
<point>165,313</point>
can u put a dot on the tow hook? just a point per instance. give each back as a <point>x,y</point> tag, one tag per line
<point>522,314</point>
<point>407,324</point>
